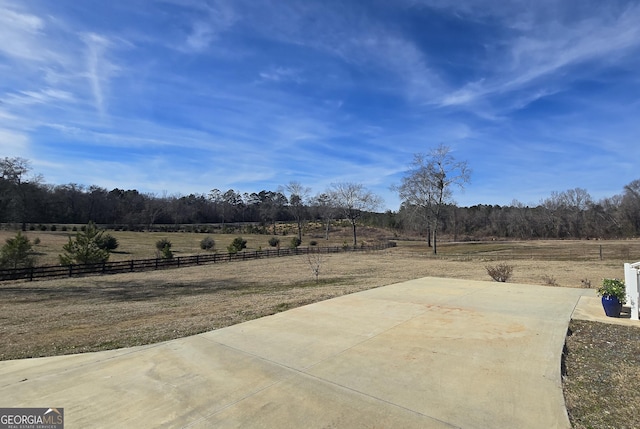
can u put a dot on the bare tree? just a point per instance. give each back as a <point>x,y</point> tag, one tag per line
<point>417,193</point>
<point>352,199</point>
<point>566,212</point>
<point>631,206</point>
<point>298,197</point>
<point>153,207</point>
<point>315,261</point>
<point>270,206</point>
<point>326,210</point>
<point>428,185</point>
<point>577,202</point>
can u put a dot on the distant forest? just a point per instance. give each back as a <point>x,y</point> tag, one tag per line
<point>563,215</point>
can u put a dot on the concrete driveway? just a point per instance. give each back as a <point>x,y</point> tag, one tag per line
<point>427,353</point>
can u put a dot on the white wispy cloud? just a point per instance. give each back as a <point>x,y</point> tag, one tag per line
<point>98,68</point>
<point>43,96</point>
<point>45,57</point>
<point>14,143</point>
<point>281,74</point>
<point>349,34</point>
<point>551,50</point>
<point>202,33</point>
<point>207,22</point>
<point>405,63</point>
<point>28,40</point>
<point>23,30</point>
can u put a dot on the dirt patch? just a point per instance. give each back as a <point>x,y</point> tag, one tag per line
<point>601,375</point>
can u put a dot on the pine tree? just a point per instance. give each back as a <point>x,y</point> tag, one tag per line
<point>85,248</point>
<point>17,253</point>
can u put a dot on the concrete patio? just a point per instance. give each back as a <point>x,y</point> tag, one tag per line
<point>427,353</point>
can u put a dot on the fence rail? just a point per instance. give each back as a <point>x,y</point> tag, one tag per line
<point>138,265</point>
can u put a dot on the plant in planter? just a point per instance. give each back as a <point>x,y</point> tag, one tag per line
<point>613,295</point>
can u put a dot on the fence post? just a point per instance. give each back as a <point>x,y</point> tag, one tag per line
<point>70,270</point>
<point>132,265</point>
<point>631,281</point>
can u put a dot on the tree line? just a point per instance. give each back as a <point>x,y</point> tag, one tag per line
<point>426,193</point>
<point>427,206</point>
<point>27,200</point>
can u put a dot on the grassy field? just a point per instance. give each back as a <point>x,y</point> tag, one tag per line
<point>141,245</point>
<point>99,313</point>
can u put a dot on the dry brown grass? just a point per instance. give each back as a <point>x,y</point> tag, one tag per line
<point>97,313</point>
<point>601,377</point>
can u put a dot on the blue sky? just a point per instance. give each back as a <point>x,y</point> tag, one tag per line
<point>183,96</point>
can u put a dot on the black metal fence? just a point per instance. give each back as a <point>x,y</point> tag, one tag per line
<point>53,271</point>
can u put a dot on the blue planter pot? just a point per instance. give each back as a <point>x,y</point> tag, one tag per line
<point>611,305</point>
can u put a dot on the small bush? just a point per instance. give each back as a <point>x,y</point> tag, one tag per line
<point>586,283</point>
<point>42,227</point>
<point>64,228</point>
<point>295,242</point>
<point>274,242</point>
<point>162,243</point>
<point>108,242</point>
<point>500,272</point>
<point>166,252</point>
<point>36,241</point>
<point>237,245</point>
<point>549,280</point>
<point>207,243</point>
<point>54,228</point>
<point>313,243</point>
